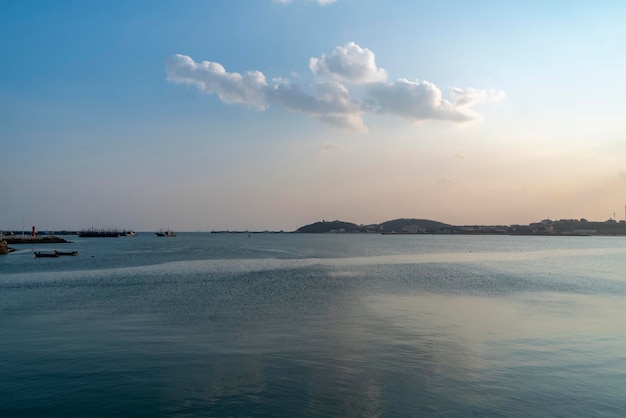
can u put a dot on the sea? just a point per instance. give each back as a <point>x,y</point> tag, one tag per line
<point>308,325</point>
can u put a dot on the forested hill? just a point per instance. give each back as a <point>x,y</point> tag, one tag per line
<point>332,226</point>
<point>412,225</point>
<point>405,225</point>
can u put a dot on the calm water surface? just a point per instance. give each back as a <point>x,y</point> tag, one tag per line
<point>291,325</point>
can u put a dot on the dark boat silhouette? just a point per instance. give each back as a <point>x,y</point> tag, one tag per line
<point>39,254</point>
<point>66,252</point>
<point>168,233</point>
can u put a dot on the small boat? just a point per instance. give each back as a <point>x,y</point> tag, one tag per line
<point>39,254</point>
<point>66,252</point>
<point>168,233</point>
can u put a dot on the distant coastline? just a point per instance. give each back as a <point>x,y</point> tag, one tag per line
<point>408,226</point>
<point>401,226</point>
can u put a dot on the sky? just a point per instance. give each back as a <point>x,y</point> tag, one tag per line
<point>203,115</point>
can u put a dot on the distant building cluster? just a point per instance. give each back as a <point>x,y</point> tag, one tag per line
<point>544,227</point>
<point>571,227</point>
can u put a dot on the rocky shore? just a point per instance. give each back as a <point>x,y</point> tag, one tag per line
<point>4,248</point>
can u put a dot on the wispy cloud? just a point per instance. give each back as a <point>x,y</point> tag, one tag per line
<point>329,99</point>
<point>446,182</point>
<point>327,146</point>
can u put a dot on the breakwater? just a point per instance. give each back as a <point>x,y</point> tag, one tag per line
<point>49,239</point>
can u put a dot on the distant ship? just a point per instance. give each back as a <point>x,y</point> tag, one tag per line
<point>39,254</point>
<point>99,233</point>
<point>168,233</point>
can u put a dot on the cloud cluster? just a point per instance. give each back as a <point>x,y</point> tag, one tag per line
<point>329,100</point>
<point>348,64</point>
<point>212,78</point>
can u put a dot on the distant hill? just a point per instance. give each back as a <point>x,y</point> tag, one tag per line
<point>332,226</point>
<point>411,225</point>
<point>398,225</point>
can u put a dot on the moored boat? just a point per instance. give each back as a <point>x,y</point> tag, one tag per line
<point>168,233</point>
<point>39,254</point>
<point>66,252</point>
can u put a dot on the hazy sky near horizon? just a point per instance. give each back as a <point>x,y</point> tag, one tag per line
<point>261,114</point>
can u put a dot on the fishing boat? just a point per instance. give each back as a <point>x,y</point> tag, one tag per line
<point>99,233</point>
<point>39,254</point>
<point>66,252</point>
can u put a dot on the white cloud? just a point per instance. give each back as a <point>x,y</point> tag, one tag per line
<point>350,64</point>
<point>470,96</point>
<point>330,101</point>
<point>212,78</point>
<point>419,101</point>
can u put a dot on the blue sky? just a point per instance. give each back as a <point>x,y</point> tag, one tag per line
<point>258,114</point>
